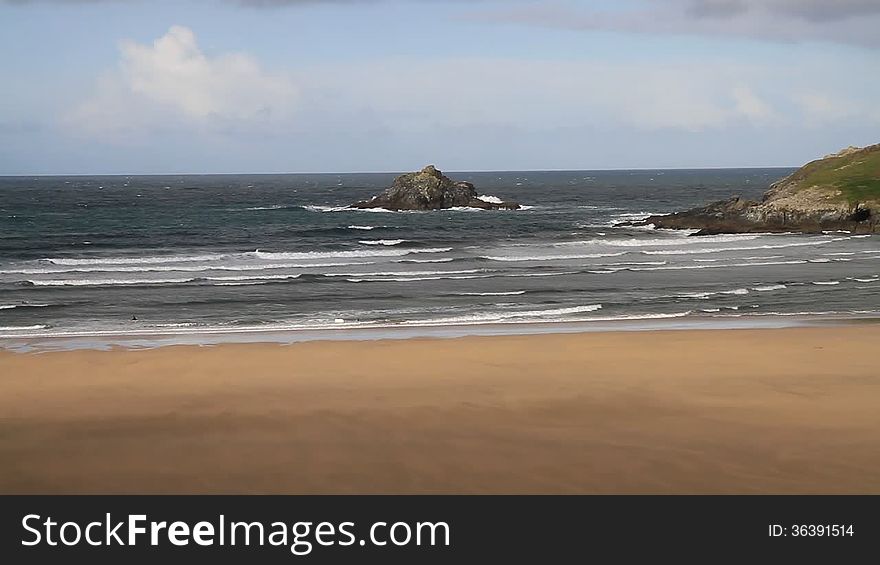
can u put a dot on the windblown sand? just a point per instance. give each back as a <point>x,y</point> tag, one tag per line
<point>739,411</point>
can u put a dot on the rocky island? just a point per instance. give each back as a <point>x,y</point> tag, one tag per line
<point>430,189</point>
<point>838,192</point>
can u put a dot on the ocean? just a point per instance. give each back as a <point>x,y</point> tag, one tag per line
<point>201,255</point>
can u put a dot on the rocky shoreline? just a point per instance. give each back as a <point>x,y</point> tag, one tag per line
<point>840,192</point>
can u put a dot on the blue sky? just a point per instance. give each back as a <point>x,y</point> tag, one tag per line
<point>128,86</point>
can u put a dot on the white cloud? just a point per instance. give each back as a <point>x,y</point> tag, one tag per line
<point>171,85</point>
<point>544,94</point>
<point>171,82</point>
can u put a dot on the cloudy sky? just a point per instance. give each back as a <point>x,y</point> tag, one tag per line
<point>130,86</point>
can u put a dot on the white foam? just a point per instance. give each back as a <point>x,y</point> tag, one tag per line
<point>325,209</point>
<point>646,227</point>
<point>12,306</point>
<point>431,250</point>
<point>425,260</point>
<point>363,228</point>
<point>866,280</point>
<point>417,279</point>
<point>22,328</point>
<point>769,288</point>
<point>551,257</point>
<point>109,282</point>
<point>518,275</point>
<point>386,242</point>
<point>738,291</point>
<point>636,216</point>
<point>274,207</point>
<point>637,263</point>
<point>403,273</point>
<point>676,239</point>
<point>697,295</point>
<point>490,199</point>
<point>502,317</point>
<point>717,266</point>
<point>726,249</point>
<point>827,283</point>
<point>360,253</point>
<point>514,293</point>
<point>822,313</point>
<point>332,324</point>
<point>379,211</point>
<point>315,208</point>
<point>131,282</point>
<point>639,317</point>
<point>182,268</point>
<point>161,259</point>
<point>254,277</point>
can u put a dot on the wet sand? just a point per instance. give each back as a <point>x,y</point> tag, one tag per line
<point>726,411</point>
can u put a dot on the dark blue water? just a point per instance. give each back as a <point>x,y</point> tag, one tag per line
<point>197,254</point>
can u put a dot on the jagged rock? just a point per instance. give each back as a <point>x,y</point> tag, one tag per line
<point>430,189</point>
<point>838,192</point>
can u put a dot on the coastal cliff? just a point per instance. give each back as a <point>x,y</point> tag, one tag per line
<point>430,189</point>
<point>838,192</point>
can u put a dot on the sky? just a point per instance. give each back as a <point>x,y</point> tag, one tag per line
<point>250,86</point>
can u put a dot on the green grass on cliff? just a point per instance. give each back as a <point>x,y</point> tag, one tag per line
<point>857,176</point>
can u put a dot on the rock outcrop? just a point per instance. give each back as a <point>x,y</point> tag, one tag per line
<point>430,189</point>
<point>837,192</point>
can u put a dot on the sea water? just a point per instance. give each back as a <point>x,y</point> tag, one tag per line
<point>198,255</point>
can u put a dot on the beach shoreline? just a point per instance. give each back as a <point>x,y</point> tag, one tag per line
<point>151,338</point>
<point>784,410</point>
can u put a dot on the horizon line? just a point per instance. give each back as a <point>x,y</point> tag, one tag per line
<point>375,172</point>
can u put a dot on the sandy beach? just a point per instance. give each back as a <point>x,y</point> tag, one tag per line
<point>726,411</point>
